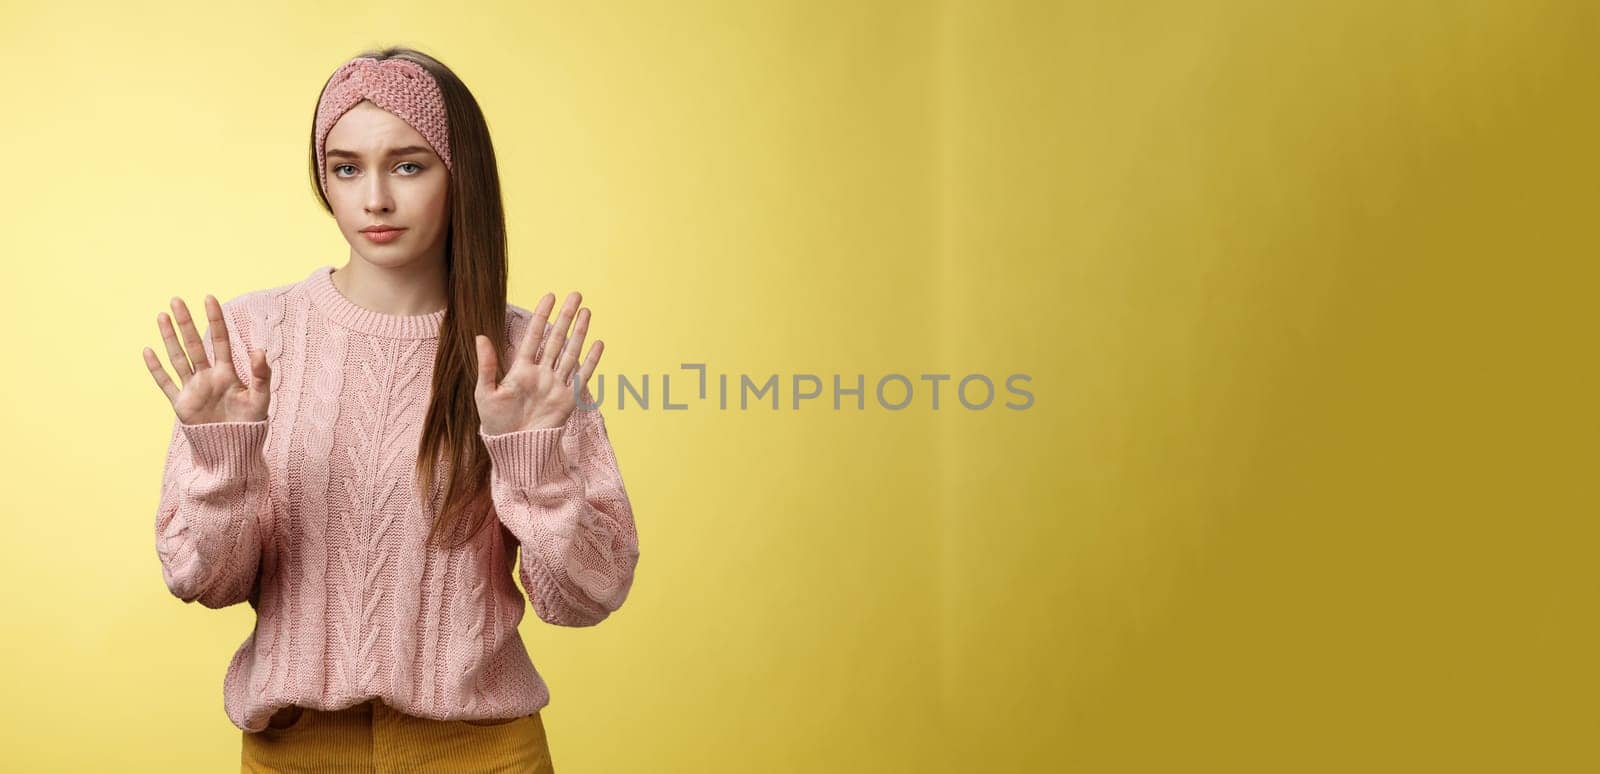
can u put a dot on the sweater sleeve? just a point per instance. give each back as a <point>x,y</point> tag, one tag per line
<point>213,494</point>
<point>213,500</point>
<point>559,492</point>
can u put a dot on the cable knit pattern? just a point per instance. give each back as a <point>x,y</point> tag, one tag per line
<point>312,516</point>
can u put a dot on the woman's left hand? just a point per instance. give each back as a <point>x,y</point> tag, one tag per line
<point>536,392</point>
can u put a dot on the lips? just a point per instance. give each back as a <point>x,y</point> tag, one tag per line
<point>382,234</point>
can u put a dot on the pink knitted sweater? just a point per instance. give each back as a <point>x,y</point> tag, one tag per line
<point>312,516</point>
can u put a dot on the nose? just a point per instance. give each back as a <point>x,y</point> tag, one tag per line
<point>378,199</point>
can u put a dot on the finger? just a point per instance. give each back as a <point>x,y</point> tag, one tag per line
<point>179,358</point>
<point>558,334</point>
<point>191,337</point>
<point>569,354</point>
<point>159,373</point>
<point>217,326</point>
<point>260,370</point>
<point>488,364</point>
<point>589,364</point>
<point>536,325</point>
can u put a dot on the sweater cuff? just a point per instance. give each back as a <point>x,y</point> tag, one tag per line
<point>226,448</point>
<point>526,458</point>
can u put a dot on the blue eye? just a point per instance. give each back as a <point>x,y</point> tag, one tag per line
<point>418,170</point>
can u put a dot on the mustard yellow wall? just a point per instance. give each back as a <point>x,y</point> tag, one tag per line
<point>1303,290</point>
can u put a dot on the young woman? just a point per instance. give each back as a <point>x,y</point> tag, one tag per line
<point>361,453</point>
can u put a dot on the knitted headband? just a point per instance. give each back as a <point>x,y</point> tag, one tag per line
<point>399,86</point>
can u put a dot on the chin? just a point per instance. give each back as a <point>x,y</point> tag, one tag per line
<point>384,258</point>
<point>395,255</point>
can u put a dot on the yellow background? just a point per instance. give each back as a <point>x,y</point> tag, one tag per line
<point>1305,291</point>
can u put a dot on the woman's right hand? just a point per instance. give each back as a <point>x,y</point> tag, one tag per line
<point>210,391</point>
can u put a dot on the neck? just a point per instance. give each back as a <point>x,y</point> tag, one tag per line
<point>398,290</point>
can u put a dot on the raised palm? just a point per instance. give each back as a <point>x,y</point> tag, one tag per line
<point>208,389</point>
<point>542,382</point>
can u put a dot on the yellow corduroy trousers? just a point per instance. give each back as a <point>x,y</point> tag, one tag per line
<point>374,737</point>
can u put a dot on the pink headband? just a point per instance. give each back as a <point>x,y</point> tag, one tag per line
<point>399,86</point>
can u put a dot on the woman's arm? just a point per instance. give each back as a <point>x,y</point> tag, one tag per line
<point>213,499</point>
<point>213,492</point>
<point>559,491</point>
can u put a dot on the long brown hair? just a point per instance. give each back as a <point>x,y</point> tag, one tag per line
<point>475,270</point>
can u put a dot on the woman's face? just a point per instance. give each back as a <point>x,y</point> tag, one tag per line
<point>380,171</point>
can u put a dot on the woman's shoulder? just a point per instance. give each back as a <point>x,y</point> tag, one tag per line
<point>258,309</point>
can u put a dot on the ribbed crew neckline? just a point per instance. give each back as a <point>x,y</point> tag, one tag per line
<point>336,307</point>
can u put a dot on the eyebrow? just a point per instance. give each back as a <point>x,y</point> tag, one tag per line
<point>403,151</point>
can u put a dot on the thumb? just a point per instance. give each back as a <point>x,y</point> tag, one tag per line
<point>488,364</point>
<point>260,370</point>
